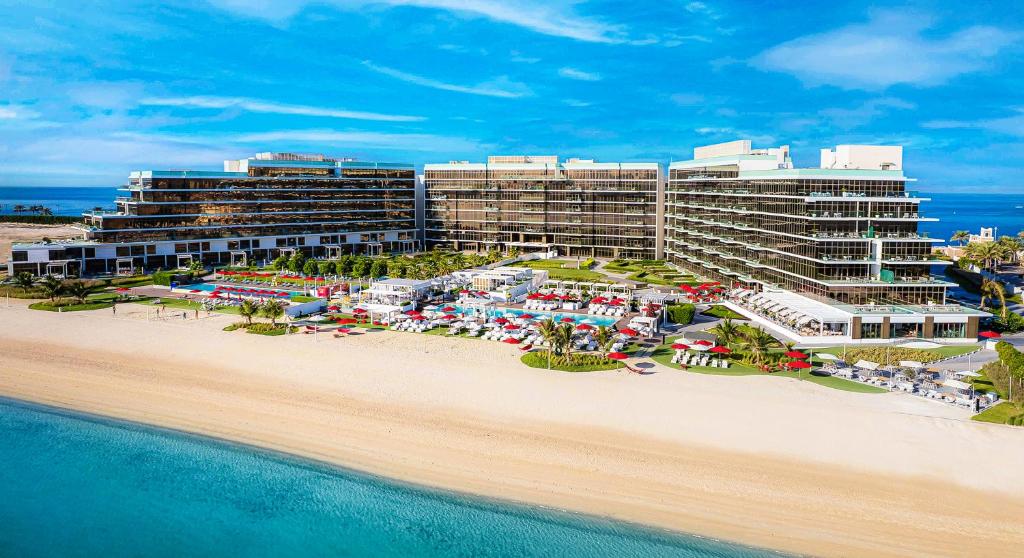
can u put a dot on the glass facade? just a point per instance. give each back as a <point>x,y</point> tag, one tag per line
<point>585,210</point>
<point>854,240</point>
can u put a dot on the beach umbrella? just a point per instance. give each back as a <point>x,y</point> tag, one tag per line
<point>448,309</point>
<point>798,364</point>
<point>584,327</point>
<point>617,356</point>
<point>989,335</point>
<point>123,289</point>
<point>703,342</point>
<point>615,302</point>
<point>526,317</point>
<point>721,350</point>
<point>511,341</point>
<point>629,331</point>
<point>511,327</point>
<point>343,330</point>
<point>501,320</point>
<point>347,321</point>
<point>449,317</point>
<point>795,354</point>
<point>463,291</point>
<point>680,346</point>
<point>412,312</point>
<point>359,311</point>
<point>334,308</point>
<point>598,300</point>
<point>215,295</point>
<point>534,296</point>
<point>567,320</point>
<point>566,297</point>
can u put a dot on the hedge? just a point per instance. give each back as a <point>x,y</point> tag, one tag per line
<point>681,314</point>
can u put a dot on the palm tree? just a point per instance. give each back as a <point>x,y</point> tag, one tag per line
<point>993,289</point>
<point>759,343</point>
<point>51,287</point>
<point>548,330</point>
<point>727,331</point>
<point>564,337</point>
<point>80,290</point>
<point>961,237</point>
<point>603,336</point>
<point>248,309</point>
<point>990,254</point>
<point>273,310</point>
<point>1012,247</point>
<point>24,280</point>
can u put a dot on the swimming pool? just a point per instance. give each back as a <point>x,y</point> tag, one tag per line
<point>557,316</point>
<point>210,287</point>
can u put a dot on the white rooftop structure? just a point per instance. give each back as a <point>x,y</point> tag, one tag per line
<point>863,157</point>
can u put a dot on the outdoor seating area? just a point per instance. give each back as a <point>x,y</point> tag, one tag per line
<point>798,315</point>
<point>947,386</point>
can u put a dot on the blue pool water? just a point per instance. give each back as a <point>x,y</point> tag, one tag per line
<point>210,287</point>
<point>78,486</point>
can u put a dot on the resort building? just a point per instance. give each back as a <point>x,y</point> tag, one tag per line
<point>579,208</point>
<point>844,234</point>
<point>257,208</point>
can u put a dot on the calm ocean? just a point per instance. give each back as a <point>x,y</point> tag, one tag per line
<point>955,211</point>
<point>73,485</point>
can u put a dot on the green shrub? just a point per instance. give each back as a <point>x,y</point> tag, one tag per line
<point>1012,323</point>
<point>681,314</point>
<point>588,263</point>
<point>575,362</point>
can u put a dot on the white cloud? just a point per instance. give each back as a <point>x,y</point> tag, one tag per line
<point>577,74</point>
<point>8,112</point>
<point>576,103</point>
<point>700,8</point>
<point>864,113</point>
<point>556,18</point>
<point>364,139</point>
<point>498,87</point>
<point>891,48</point>
<point>255,105</point>
<point>1010,125</point>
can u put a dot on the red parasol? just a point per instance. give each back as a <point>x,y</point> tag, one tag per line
<point>526,317</point>
<point>501,320</point>
<point>680,346</point>
<point>703,342</point>
<point>567,320</point>
<point>359,311</point>
<point>989,335</point>
<point>795,354</point>
<point>511,341</point>
<point>448,309</point>
<point>721,350</point>
<point>510,327</point>
<point>798,364</point>
<point>617,356</point>
<point>629,331</point>
<point>584,327</point>
<point>347,321</point>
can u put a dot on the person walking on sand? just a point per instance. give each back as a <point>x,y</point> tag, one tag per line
<point>197,313</point>
<point>113,308</point>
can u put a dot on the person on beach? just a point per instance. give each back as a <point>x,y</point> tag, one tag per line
<point>113,308</point>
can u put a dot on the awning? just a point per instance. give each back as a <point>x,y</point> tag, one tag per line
<point>956,384</point>
<point>827,356</point>
<point>866,364</point>
<point>911,364</point>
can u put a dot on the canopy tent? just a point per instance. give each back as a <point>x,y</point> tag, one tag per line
<point>866,365</point>
<point>828,356</point>
<point>911,364</point>
<point>956,384</point>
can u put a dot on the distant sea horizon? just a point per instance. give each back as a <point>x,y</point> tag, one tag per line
<point>955,210</point>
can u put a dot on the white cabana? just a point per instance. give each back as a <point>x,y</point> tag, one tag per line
<point>911,364</point>
<point>866,365</point>
<point>967,374</point>
<point>956,384</point>
<point>827,356</point>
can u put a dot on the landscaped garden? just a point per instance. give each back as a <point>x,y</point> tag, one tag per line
<point>1005,377</point>
<point>719,311</point>
<point>653,272</point>
<point>566,270</point>
<point>892,355</point>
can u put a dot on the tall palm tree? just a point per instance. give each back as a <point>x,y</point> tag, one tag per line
<point>248,309</point>
<point>564,336</point>
<point>961,237</point>
<point>51,287</point>
<point>80,290</point>
<point>993,289</point>
<point>23,280</point>
<point>1012,247</point>
<point>272,310</point>
<point>990,254</point>
<point>759,343</point>
<point>603,336</point>
<point>548,330</point>
<point>727,331</point>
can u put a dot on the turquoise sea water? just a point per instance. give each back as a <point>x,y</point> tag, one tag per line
<point>79,486</point>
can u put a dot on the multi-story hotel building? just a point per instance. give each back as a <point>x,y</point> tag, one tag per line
<point>257,208</point>
<point>577,207</point>
<point>844,234</point>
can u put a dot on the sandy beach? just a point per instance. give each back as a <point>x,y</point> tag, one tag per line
<point>765,461</point>
<point>21,232</point>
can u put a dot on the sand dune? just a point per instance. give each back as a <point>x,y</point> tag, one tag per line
<point>771,462</point>
<point>20,232</point>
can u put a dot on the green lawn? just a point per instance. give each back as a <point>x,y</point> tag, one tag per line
<point>565,270</point>
<point>719,311</point>
<point>187,305</point>
<point>998,414</point>
<point>93,302</point>
<point>663,355</point>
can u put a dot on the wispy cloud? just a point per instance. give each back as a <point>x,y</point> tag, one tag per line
<point>255,105</point>
<point>576,103</point>
<point>864,113</point>
<point>557,18</point>
<point>1012,125</point>
<point>687,99</point>
<point>891,48</point>
<point>498,87</point>
<point>577,74</point>
<point>363,139</point>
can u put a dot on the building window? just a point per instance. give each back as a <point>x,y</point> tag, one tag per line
<point>124,251</point>
<point>19,256</point>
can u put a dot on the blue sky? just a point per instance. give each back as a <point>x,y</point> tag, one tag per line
<point>91,90</point>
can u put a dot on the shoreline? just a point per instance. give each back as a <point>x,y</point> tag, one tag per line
<point>438,423</point>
